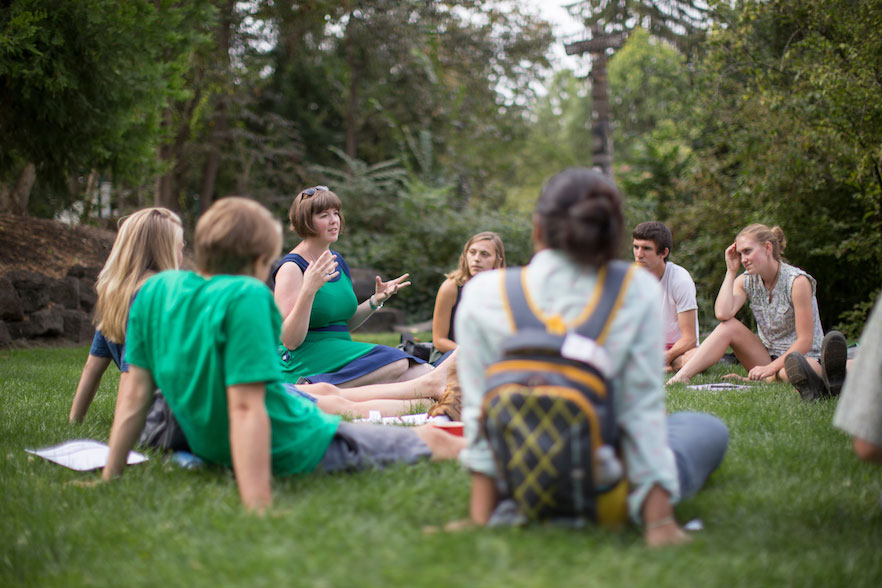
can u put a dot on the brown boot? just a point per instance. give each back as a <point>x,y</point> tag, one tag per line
<point>834,356</point>
<point>801,375</point>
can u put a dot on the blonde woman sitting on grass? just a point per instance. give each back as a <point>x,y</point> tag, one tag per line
<point>790,344</point>
<point>149,241</point>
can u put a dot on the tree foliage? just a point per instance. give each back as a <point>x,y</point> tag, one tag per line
<point>788,131</point>
<point>425,117</point>
<point>678,21</point>
<point>82,83</point>
<point>650,93</point>
<point>368,76</point>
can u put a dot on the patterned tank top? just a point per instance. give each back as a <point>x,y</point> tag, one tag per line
<point>775,316</point>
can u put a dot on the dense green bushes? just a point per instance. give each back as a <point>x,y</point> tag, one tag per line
<point>395,223</point>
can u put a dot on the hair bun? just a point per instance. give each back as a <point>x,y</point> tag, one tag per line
<point>580,212</point>
<point>779,235</point>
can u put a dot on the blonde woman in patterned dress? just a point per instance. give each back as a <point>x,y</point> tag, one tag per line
<point>784,303</point>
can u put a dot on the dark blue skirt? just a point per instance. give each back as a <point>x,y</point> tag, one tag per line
<point>375,359</point>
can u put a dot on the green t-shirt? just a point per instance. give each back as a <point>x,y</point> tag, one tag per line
<point>197,336</point>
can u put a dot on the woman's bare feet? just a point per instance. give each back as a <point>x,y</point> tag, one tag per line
<point>677,379</point>
<point>432,384</point>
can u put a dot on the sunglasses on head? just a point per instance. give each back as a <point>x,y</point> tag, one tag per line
<point>311,191</point>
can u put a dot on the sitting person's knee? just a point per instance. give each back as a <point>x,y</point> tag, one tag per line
<point>335,405</point>
<point>730,325</point>
<point>321,389</point>
<point>397,368</point>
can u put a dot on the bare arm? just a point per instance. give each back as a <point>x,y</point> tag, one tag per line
<point>362,313</point>
<point>732,295</point>
<point>484,498</point>
<point>688,336</point>
<point>132,402</point>
<point>250,444</point>
<point>382,292</point>
<point>441,317</point>
<point>295,293</point>
<point>88,386</point>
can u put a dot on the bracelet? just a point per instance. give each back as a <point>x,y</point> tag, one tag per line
<point>374,307</point>
<point>659,523</point>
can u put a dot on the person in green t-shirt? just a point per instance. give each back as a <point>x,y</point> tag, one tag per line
<point>208,340</point>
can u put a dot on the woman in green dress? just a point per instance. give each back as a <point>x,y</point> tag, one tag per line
<point>313,290</point>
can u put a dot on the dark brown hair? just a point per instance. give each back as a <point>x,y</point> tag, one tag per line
<point>656,232</point>
<point>580,213</point>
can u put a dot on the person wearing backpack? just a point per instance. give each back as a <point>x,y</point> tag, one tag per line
<point>577,232</point>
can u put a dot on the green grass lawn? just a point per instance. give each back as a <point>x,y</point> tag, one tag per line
<point>790,506</point>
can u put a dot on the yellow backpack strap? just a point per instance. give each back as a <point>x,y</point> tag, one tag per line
<point>514,300</point>
<point>615,282</point>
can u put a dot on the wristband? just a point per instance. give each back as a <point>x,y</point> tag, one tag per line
<point>374,307</point>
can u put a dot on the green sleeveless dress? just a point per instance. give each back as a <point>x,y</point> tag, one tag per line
<point>328,353</point>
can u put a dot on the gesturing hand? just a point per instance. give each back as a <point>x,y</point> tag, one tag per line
<point>383,290</point>
<point>733,260</point>
<point>320,272</point>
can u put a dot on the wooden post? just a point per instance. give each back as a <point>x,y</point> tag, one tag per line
<point>601,140</point>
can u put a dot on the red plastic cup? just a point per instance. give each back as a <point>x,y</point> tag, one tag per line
<point>452,427</point>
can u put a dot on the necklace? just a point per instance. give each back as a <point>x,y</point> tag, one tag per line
<point>771,288</point>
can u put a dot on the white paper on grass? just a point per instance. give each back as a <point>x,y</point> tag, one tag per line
<point>82,454</point>
<point>718,386</point>
<point>407,419</point>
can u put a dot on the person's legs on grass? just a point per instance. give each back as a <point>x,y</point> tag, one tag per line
<point>802,373</point>
<point>699,443</point>
<point>429,385</point>
<point>391,372</point>
<point>386,407</point>
<point>357,446</point>
<point>747,347</point>
<point>683,359</point>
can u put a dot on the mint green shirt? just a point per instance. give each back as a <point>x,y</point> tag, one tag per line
<point>635,345</point>
<point>198,336</point>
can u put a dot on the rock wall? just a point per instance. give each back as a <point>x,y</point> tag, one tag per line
<point>36,307</point>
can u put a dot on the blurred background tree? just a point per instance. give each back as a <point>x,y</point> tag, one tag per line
<point>435,120</point>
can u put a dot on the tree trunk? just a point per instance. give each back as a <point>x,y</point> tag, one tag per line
<point>602,156</point>
<point>219,126</point>
<point>213,159</point>
<point>14,199</point>
<point>164,193</point>
<point>352,105</point>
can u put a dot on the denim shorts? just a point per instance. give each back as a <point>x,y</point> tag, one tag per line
<point>358,446</point>
<point>295,391</point>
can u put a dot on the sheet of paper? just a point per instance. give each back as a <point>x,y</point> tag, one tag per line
<point>407,419</point>
<point>82,454</point>
<point>718,386</point>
